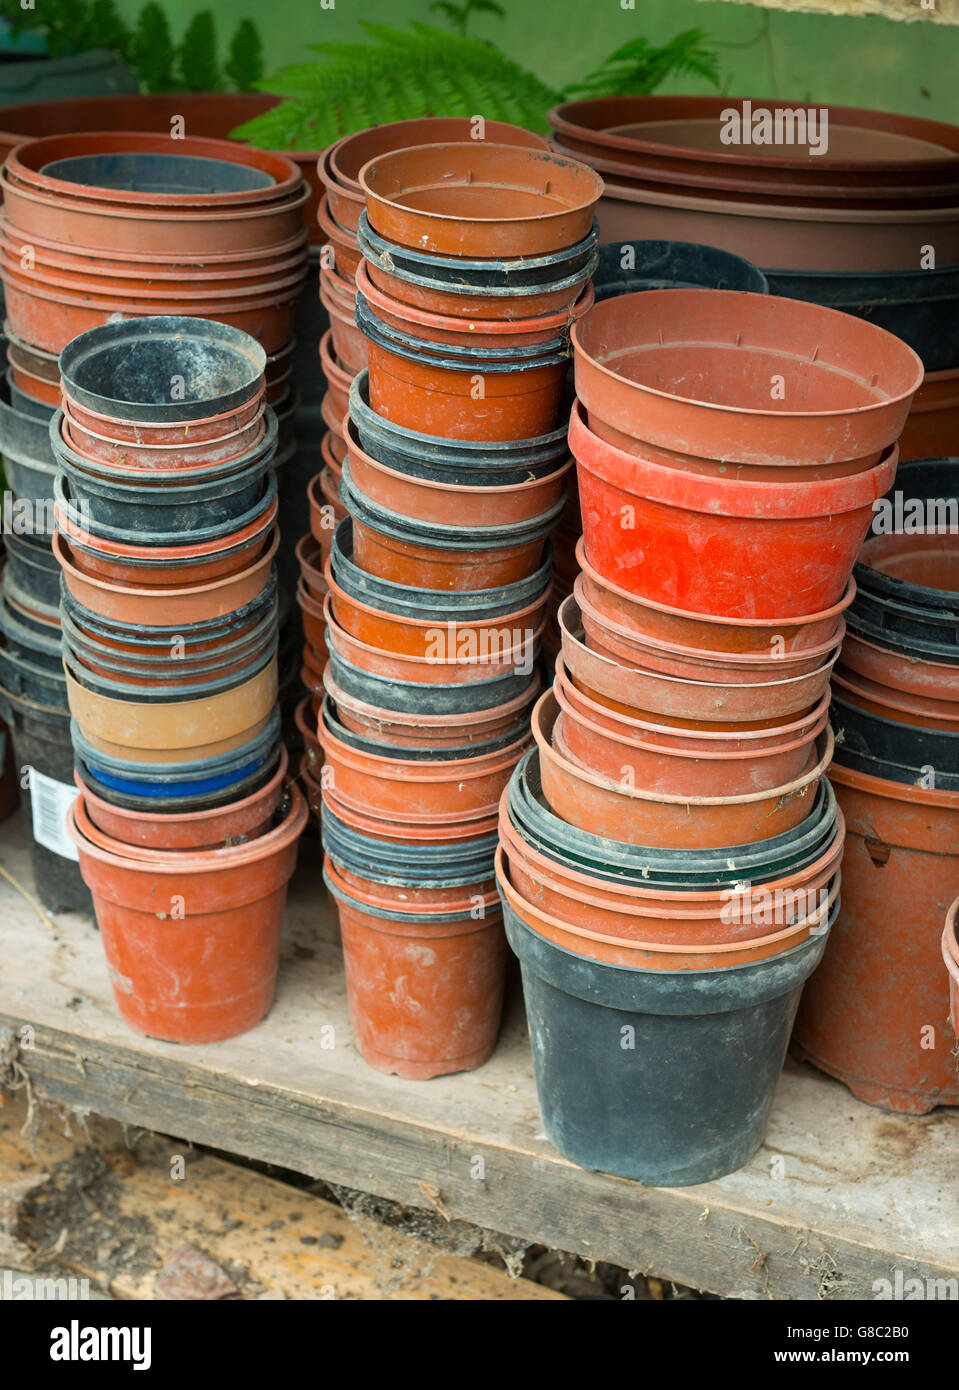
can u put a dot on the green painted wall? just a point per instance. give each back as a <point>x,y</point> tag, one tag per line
<point>860,62</point>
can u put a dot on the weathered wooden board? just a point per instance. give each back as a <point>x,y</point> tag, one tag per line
<point>910,11</point>
<point>840,1195</point>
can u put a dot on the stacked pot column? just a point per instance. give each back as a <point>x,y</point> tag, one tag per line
<point>863,216</point>
<point>439,577</point>
<point>166,507</point>
<point>877,1015</point>
<point>670,860</point>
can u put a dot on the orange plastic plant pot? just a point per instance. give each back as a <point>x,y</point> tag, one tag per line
<point>425,998</point>
<point>434,567</point>
<point>387,828</point>
<point>192,942</point>
<point>346,252</point>
<point>337,379</point>
<point>876,1013</point>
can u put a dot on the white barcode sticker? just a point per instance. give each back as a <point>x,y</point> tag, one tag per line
<point>50,802</point>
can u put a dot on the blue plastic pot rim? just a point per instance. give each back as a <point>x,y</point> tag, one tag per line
<point>173,790</point>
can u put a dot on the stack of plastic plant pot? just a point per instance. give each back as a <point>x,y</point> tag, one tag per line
<point>438,583</point>
<point>166,536</point>
<point>855,210</point>
<point>877,1013</point>
<point>670,861</point>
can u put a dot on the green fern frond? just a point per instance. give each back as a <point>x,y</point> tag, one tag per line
<point>639,66</point>
<point>402,74</point>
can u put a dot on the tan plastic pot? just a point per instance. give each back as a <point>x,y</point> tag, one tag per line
<point>480,200</point>
<point>950,954</point>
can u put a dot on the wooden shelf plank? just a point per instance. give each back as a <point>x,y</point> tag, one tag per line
<point>908,11</point>
<point>839,1196</point>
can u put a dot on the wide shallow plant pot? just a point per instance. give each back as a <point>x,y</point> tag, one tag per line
<point>694,1109</point>
<point>425,989</point>
<point>847,386</point>
<point>611,808</point>
<point>479,199</point>
<point>876,1015</point>
<point>192,938</point>
<point>736,549</point>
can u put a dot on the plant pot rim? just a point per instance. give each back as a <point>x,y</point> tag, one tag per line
<point>172,554</point>
<point>345,180</point>
<point>711,619</point>
<point>474,620</point>
<point>950,943</point>
<point>431,721</point>
<point>394,769</point>
<point>134,595</point>
<point>885,789</point>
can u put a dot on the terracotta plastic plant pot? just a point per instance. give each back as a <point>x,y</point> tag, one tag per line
<point>847,385</point>
<point>191,455</point>
<point>902,708</point>
<point>909,675</point>
<point>421,499</point>
<point>920,559</point>
<point>876,1014</point>
<point>326,511</point>
<point>686,767</point>
<point>348,156</point>
<point>707,634</point>
<point>338,297</point>
<point>425,994</point>
<point>518,402</point>
<point>342,241</point>
<point>435,643</point>
<point>395,897</point>
<point>671,918</point>
<point>306,726</point>
<point>933,421</point>
<point>479,199</point>
<point>627,688</point>
<point>388,830</point>
<point>424,730</point>
<point>183,433</point>
<point>192,944</point>
<point>420,792</point>
<point>160,608</point>
<point>950,954</point>
<point>732,549</point>
<point>309,556</point>
<point>466,664</point>
<point>651,955</point>
<point>658,820</point>
<point>237,823</point>
<point>613,640</point>
<point>337,380</point>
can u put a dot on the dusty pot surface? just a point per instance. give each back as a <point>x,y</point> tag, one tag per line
<point>881,988</point>
<point>206,972</point>
<point>950,954</point>
<point>854,381</point>
<point>479,199</point>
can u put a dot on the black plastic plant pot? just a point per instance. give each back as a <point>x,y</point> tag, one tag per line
<point>41,741</point>
<point>202,784</point>
<point>440,605</point>
<point>31,566</point>
<point>919,306</point>
<point>125,370</point>
<point>426,698</point>
<point>666,1077</point>
<point>79,516</point>
<point>176,690</point>
<point>27,455</point>
<point>442,537</point>
<point>447,865</point>
<point>209,630</point>
<point>168,660</point>
<point>419,755</point>
<point>628,266</point>
<point>452,273</point>
<point>932,752</point>
<point>35,644</point>
<point>130,513</point>
<point>932,779</point>
<point>26,405</point>
<point>452,356</point>
<point>679,869</point>
<point>452,460</point>
<point>158,173</point>
<point>38,618</point>
<point>24,676</point>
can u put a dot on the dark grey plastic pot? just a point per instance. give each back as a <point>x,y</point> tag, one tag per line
<point>445,865</point>
<point>158,173</point>
<point>32,567</point>
<point>667,1077</point>
<point>665,265</point>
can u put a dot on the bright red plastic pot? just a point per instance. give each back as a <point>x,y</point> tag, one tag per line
<point>632,815</point>
<point>465,661</point>
<point>396,730</point>
<point>417,790</point>
<point>436,567</point>
<point>192,942</point>
<point>669,917</point>
<point>651,955</point>
<point>876,1013</point>
<point>706,633</point>
<point>705,702</point>
<point>767,381</point>
<point>950,954</point>
<point>693,766</point>
<point>732,549</point>
<point>452,504</point>
<point>425,995</point>
<point>221,828</point>
<point>467,402</point>
<point>480,200</point>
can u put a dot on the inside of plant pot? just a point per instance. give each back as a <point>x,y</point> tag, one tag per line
<point>158,173</point>
<point>927,559</point>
